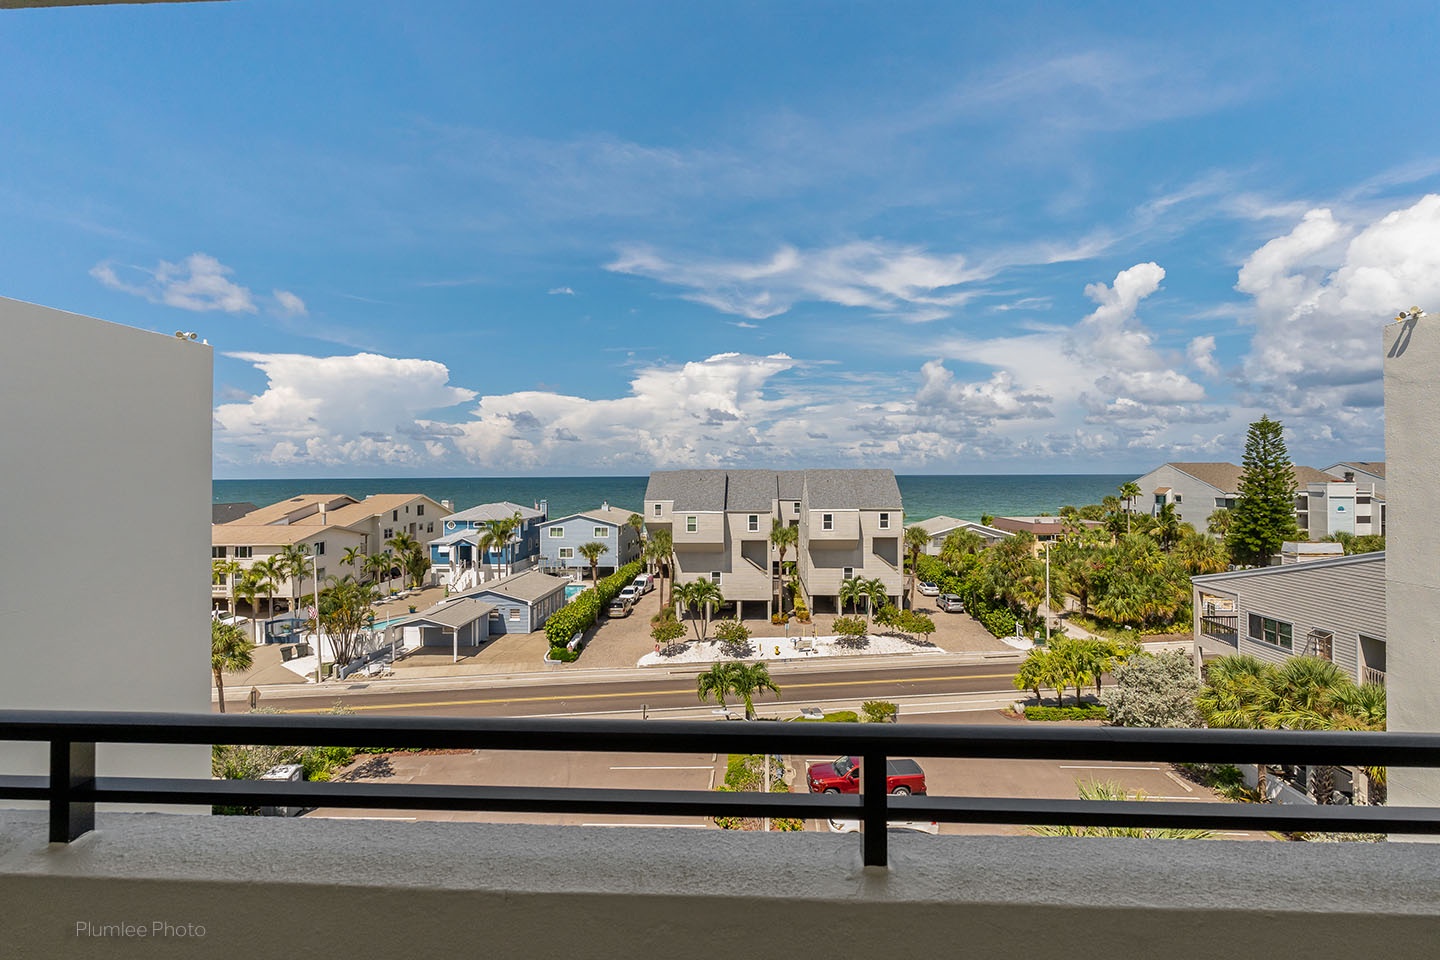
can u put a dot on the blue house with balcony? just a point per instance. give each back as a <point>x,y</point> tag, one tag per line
<point>456,556</point>
<point>561,539</point>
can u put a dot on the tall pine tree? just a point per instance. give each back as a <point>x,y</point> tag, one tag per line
<point>1264,516</point>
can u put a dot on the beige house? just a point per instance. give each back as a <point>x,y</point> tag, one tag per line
<point>849,521</point>
<point>325,525</point>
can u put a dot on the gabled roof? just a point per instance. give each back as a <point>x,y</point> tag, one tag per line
<point>529,586</point>
<point>852,489</point>
<point>277,512</point>
<point>615,516</point>
<point>226,512</point>
<point>1290,568</point>
<point>1225,476</point>
<point>1373,467</point>
<point>502,510</point>
<point>372,506</point>
<point>751,490</point>
<point>699,490</point>
<point>454,613</point>
<point>241,534</point>
<point>938,525</point>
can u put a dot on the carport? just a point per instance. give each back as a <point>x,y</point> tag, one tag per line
<point>447,623</point>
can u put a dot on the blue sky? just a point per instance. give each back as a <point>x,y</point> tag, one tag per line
<point>452,238</point>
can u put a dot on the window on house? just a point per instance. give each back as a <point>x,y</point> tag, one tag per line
<point>319,548</point>
<point>419,509</point>
<point>567,553</point>
<point>217,553</point>
<point>556,533</point>
<point>387,533</point>
<point>514,614</point>
<point>1179,499</point>
<point>602,533</point>
<point>657,509</point>
<point>848,573</point>
<point>430,527</point>
<point>1219,503</point>
<point>243,553</point>
<point>795,508</point>
<point>827,521</point>
<point>691,525</point>
<point>320,574</point>
<point>884,521</point>
<point>1365,519</point>
<point>753,522</point>
<point>394,516</point>
<point>1362,500</point>
<point>1274,632</point>
<point>1159,499</point>
<point>715,577</point>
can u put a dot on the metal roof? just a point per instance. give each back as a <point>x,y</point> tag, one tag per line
<point>502,510</point>
<point>1376,557</point>
<point>529,586</point>
<point>453,614</point>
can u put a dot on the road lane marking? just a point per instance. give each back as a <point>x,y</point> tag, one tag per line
<point>705,767</point>
<point>1188,788</point>
<point>638,693</point>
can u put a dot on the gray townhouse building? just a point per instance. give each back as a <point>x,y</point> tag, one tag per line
<point>1197,490</point>
<point>850,525</point>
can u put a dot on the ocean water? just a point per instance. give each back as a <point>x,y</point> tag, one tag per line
<point>965,497</point>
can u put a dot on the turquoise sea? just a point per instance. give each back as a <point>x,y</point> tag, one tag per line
<point>965,497</point>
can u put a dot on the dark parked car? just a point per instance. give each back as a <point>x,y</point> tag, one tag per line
<point>950,603</point>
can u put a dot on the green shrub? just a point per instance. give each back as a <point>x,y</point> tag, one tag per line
<point>731,631</point>
<point>998,620</point>
<point>1086,711</point>
<point>667,631</point>
<point>564,654</point>
<point>879,711</point>
<point>849,627</point>
<point>580,614</point>
<point>839,716</point>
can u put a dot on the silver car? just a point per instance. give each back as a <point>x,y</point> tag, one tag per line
<point>950,603</point>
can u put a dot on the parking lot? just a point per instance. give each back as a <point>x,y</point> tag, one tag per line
<point>963,777</point>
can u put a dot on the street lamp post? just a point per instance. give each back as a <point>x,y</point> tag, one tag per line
<point>1047,592</point>
<point>315,608</point>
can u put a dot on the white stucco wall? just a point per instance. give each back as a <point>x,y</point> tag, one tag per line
<point>1412,589</point>
<point>104,592</point>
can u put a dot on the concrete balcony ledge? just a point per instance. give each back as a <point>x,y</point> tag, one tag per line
<point>376,888</point>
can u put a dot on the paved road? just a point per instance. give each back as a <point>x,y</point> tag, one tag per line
<point>667,692</point>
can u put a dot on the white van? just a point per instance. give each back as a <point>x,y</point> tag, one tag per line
<point>645,582</point>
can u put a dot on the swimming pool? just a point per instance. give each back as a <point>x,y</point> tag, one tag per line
<point>573,590</point>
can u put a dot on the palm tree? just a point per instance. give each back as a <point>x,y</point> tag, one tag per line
<point>960,543</point>
<point>354,558</point>
<point>405,546</point>
<point>851,592</point>
<point>1128,492</point>
<point>717,682</point>
<point>592,552</point>
<point>229,650</point>
<point>749,680</point>
<point>377,564</point>
<point>1167,526</point>
<point>290,564</point>
<point>1219,523</point>
<point>782,538</point>
<point>1200,555</point>
<point>268,573</point>
<point>916,540</point>
<point>1034,672</point>
<point>701,595</point>
<point>498,536</point>
<point>659,550</point>
<point>248,588</point>
<point>637,523</point>
<point>875,594</point>
<point>1237,696</point>
<point>221,571</point>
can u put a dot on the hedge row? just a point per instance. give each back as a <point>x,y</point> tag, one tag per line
<point>1089,711</point>
<point>580,614</point>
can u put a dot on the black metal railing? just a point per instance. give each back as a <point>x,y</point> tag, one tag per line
<point>1220,627</point>
<point>72,789</point>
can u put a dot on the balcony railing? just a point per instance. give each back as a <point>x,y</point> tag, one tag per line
<point>1220,627</point>
<point>72,789</point>
<point>1371,675</point>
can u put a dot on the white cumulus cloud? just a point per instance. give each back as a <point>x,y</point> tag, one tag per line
<point>199,282</point>
<point>289,304</point>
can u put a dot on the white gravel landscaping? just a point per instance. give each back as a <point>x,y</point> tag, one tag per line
<point>786,648</point>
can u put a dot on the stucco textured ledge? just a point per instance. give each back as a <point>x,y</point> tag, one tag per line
<point>386,888</point>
